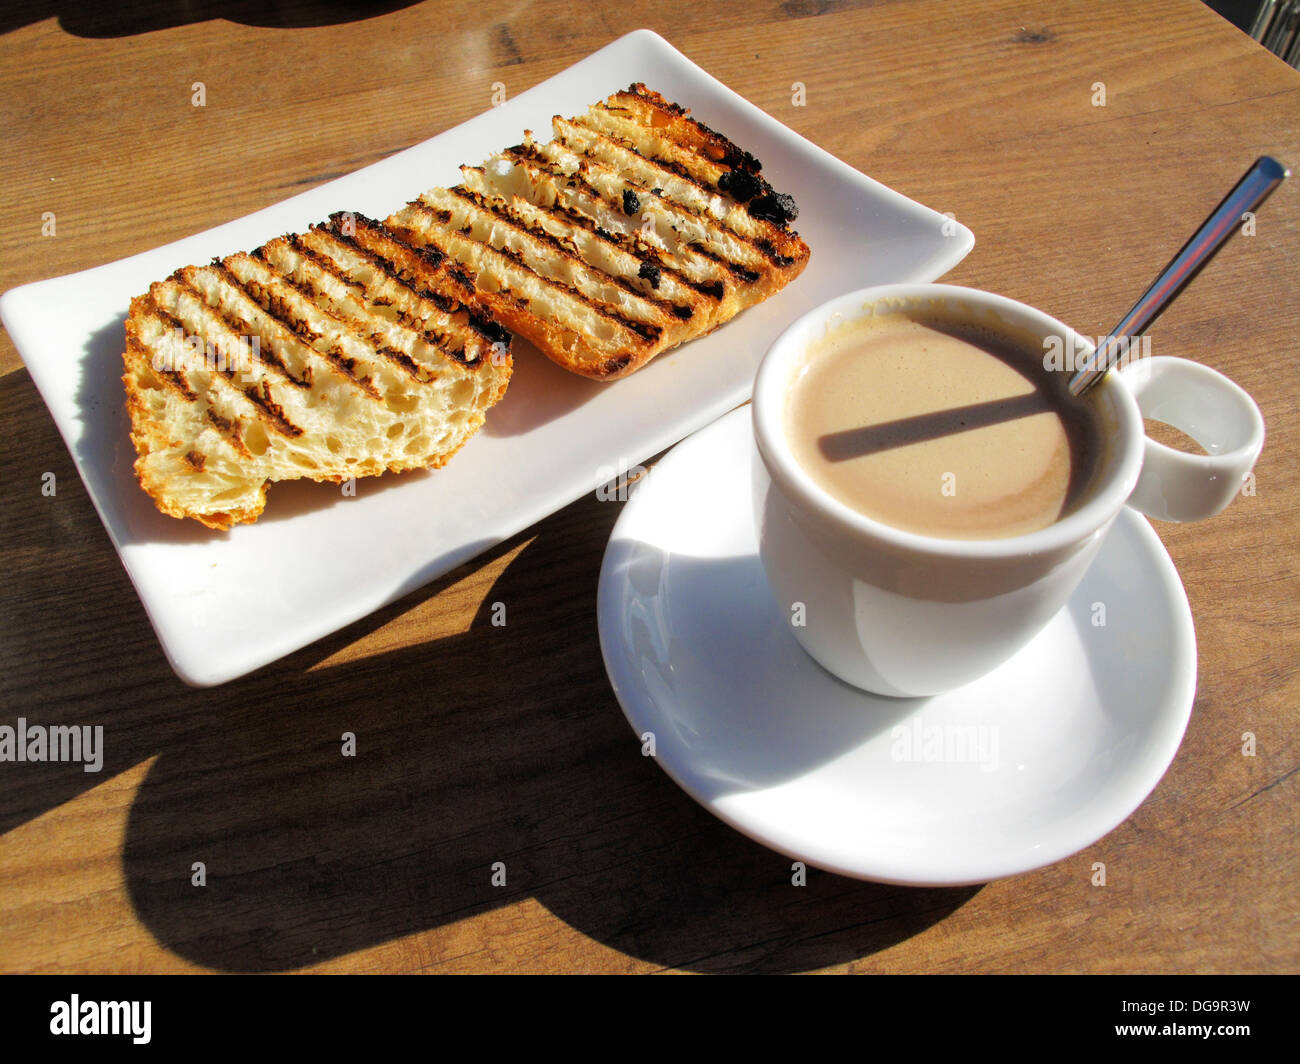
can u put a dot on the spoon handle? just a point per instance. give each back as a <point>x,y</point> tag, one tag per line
<point>1252,190</point>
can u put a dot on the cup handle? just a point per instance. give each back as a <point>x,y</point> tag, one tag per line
<point>1212,410</point>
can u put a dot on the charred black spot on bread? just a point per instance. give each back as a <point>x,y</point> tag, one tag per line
<point>739,159</point>
<point>649,272</point>
<point>741,185</point>
<point>776,207</point>
<point>684,313</point>
<point>631,204</point>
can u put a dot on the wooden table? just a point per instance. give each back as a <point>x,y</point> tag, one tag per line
<point>475,747</point>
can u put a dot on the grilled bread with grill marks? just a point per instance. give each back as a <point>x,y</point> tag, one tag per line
<point>634,229</point>
<point>342,352</point>
<point>359,348</point>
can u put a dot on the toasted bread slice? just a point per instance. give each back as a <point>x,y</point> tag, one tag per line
<point>335,354</point>
<point>358,348</point>
<point>634,229</point>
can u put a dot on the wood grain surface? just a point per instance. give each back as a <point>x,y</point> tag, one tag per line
<point>479,744</point>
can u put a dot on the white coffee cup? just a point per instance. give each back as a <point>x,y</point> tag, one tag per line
<point>904,614</point>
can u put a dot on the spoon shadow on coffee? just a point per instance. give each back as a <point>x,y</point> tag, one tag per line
<point>1001,466</point>
<point>919,428</point>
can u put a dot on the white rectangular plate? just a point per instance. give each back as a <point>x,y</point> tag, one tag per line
<point>224,604</point>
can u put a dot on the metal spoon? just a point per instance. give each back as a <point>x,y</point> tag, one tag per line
<point>1252,190</point>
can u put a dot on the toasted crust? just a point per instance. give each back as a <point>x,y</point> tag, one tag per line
<point>334,354</point>
<point>359,347</point>
<point>569,242</point>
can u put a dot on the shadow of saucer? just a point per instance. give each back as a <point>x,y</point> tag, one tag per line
<point>498,744</point>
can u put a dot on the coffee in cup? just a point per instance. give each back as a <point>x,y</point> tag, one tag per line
<point>907,613</point>
<point>941,426</point>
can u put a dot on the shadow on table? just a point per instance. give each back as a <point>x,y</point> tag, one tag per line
<point>85,18</point>
<point>497,744</point>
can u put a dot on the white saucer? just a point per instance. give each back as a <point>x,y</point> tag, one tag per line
<point>1028,765</point>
